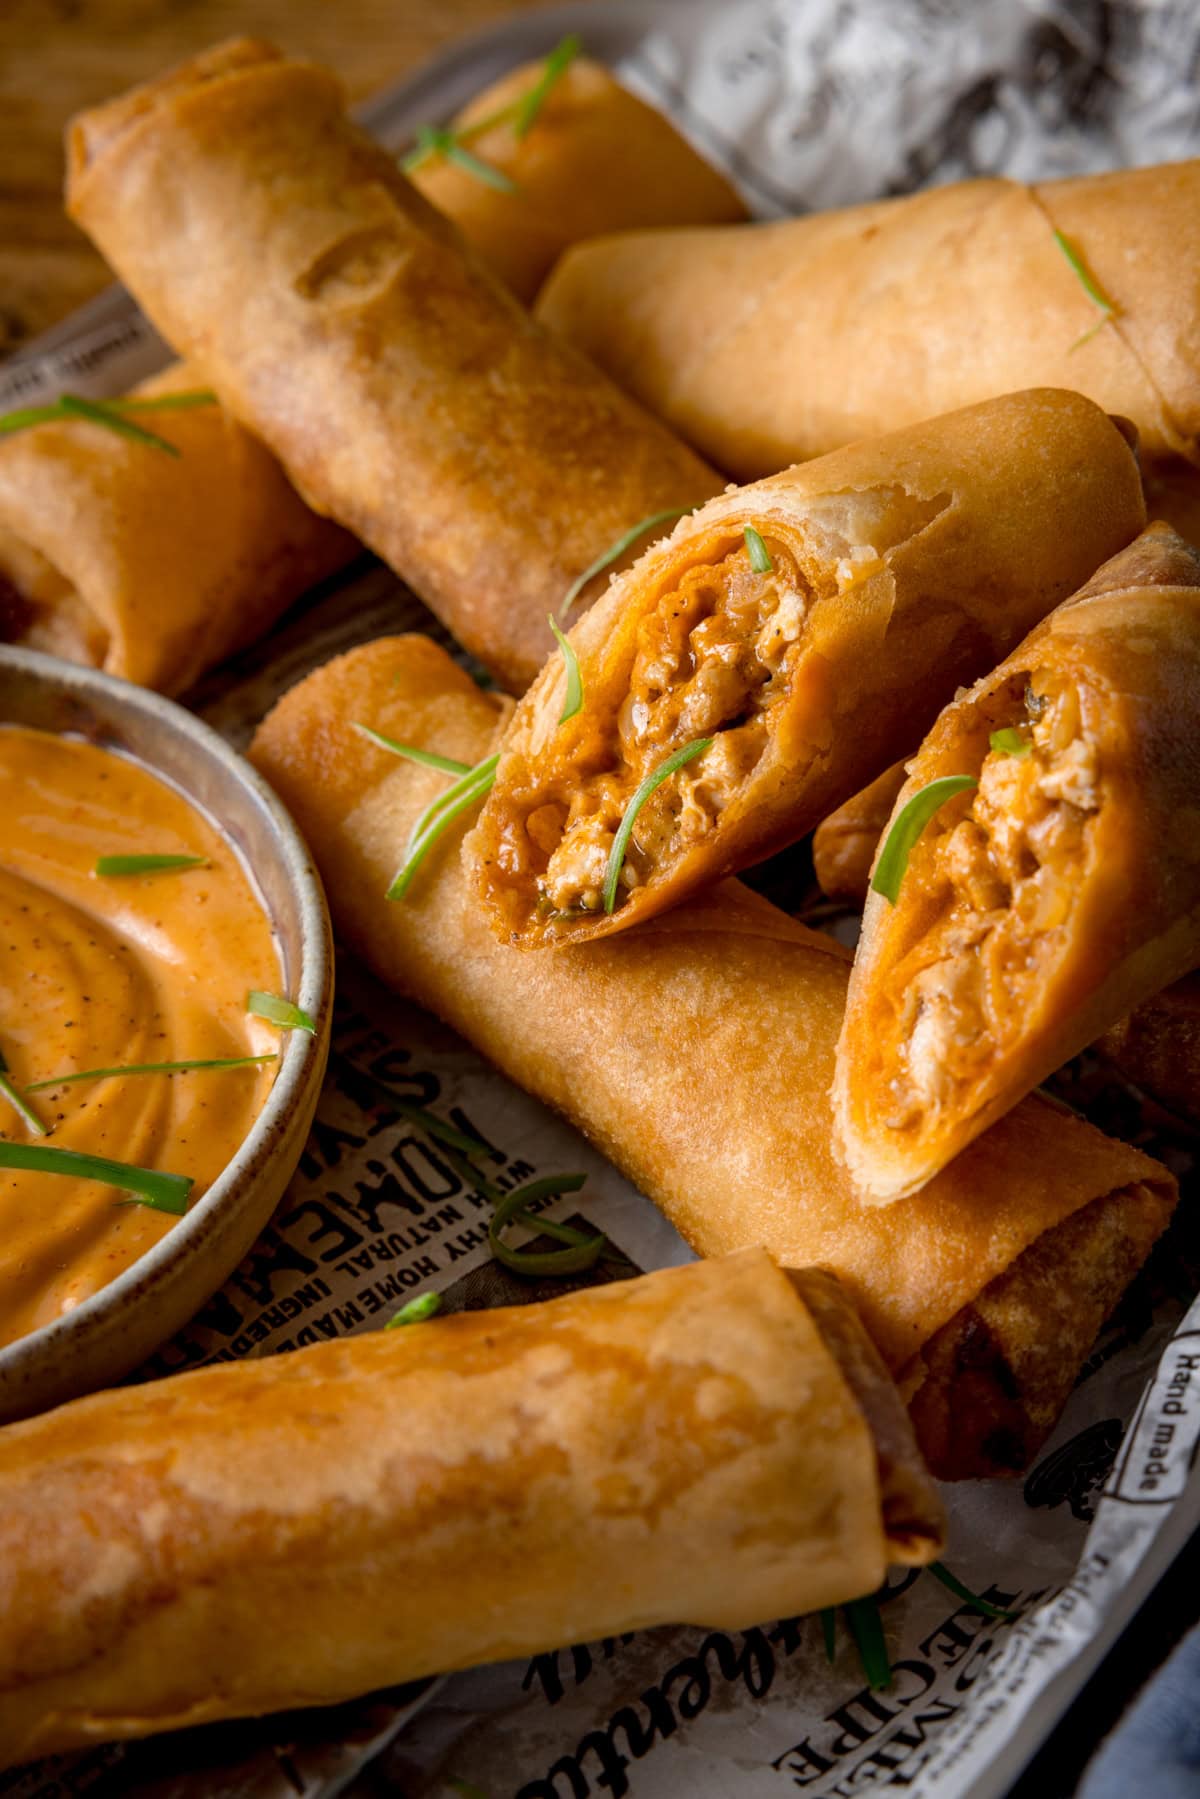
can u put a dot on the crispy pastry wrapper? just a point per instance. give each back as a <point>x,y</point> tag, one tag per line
<point>844,844</point>
<point>710,1444</point>
<point>1039,908</point>
<point>150,566</point>
<point>345,321</point>
<point>597,160</point>
<point>898,569</point>
<point>698,1053</point>
<point>156,569</point>
<point>1158,1047</point>
<point>763,344</point>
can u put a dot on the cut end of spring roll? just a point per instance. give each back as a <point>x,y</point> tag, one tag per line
<point>713,1444</point>
<point>1048,898</point>
<point>781,648</point>
<point>698,1055</point>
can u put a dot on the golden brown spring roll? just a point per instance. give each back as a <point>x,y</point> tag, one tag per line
<point>844,844</point>
<point>763,344</point>
<point>698,1052</point>
<point>150,566</point>
<point>345,322</point>
<point>1040,905</point>
<point>155,569</point>
<point>596,160</point>
<point>897,570</point>
<point>1157,1047</point>
<point>714,1444</point>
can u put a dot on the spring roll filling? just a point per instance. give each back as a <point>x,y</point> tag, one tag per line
<point>712,658</point>
<point>999,881</point>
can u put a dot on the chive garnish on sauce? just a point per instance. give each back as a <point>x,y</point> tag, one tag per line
<point>100,1074</point>
<point>147,865</point>
<point>573,701</point>
<point>1089,284</point>
<point>25,1112</point>
<point>276,1010</point>
<point>893,858</point>
<point>866,1627</point>
<point>426,758</point>
<point>163,1192</point>
<point>760,559</point>
<point>580,1253</point>
<point>1010,741</point>
<point>109,413</point>
<point>616,550</point>
<point>616,855</point>
<point>415,1311</point>
<point>940,1572</point>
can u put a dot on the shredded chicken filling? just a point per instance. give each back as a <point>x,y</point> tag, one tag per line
<point>1009,871</point>
<point>711,660</point>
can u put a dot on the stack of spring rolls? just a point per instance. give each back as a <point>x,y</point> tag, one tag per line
<point>905,1244</point>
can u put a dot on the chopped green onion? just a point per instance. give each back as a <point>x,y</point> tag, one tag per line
<point>829,1633</point>
<point>1010,742</point>
<point>164,1192</point>
<point>146,865</point>
<point>866,1626</point>
<point>1090,286</point>
<point>436,819</point>
<point>108,413</point>
<point>893,858</point>
<point>616,855</point>
<point>760,560</point>
<point>615,551</point>
<point>427,759</point>
<point>433,140</point>
<point>555,67</point>
<point>445,1133</point>
<point>573,701</point>
<point>279,1011</point>
<point>578,1256</point>
<point>940,1572</point>
<point>25,1112</point>
<point>416,1311</point>
<point>100,1074</point>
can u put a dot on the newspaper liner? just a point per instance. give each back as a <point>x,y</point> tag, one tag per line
<point>817,102</point>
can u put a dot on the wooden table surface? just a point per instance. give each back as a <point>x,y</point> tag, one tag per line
<point>57,56</point>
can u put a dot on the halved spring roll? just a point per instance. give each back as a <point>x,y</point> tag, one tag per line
<point>1054,893</point>
<point>698,1054</point>
<point>714,1444</point>
<point>154,569</point>
<point>793,638</point>
<point>345,322</point>
<point>763,344</point>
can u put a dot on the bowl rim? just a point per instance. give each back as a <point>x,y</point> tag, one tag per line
<point>302,1054</point>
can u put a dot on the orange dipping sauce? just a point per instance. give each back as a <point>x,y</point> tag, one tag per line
<point>100,971</point>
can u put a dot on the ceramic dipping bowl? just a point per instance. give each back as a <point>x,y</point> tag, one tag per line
<point>110,1333</point>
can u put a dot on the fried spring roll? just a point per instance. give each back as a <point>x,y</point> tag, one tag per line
<point>156,569</point>
<point>150,566</point>
<point>714,1444</point>
<point>802,661</point>
<point>763,344</point>
<point>345,322</point>
<point>1039,906</point>
<point>596,160</point>
<point>698,1053</point>
<point>1157,1047</point>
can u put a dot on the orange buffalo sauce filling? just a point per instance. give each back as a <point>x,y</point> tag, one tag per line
<point>96,972</point>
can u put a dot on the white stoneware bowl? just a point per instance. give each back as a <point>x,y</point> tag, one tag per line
<point>106,1336</point>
